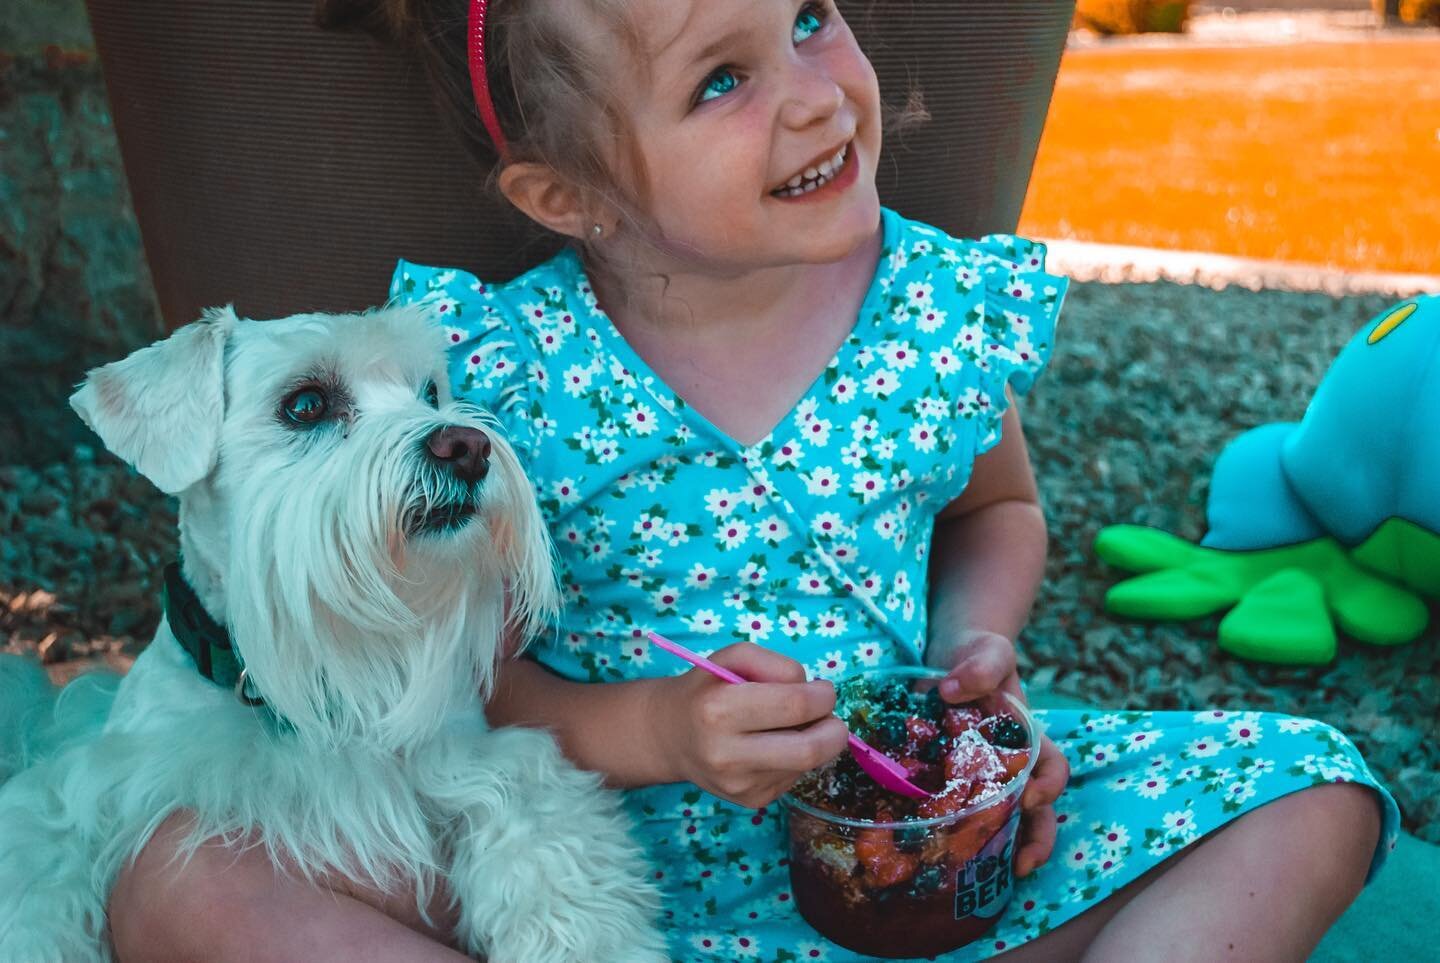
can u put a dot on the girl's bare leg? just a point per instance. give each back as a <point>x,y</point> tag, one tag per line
<point>1265,887</point>
<point>228,906</point>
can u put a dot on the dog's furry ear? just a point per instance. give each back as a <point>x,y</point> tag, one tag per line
<point>523,546</point>
<point>161,407</point>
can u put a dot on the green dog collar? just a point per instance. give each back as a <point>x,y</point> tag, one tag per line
<point>206,641</point>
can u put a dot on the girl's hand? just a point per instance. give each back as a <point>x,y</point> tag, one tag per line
<point>985,662</point>
<point>746,743</point>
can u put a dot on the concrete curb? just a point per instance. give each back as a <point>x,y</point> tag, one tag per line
<point>1121,264</point>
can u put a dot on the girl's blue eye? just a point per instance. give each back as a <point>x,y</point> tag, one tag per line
<point>718,84</point>
<point>807,23</point>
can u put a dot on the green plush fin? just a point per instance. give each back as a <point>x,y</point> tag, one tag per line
<point>1283,619</point>
<point>1373,610</point>
<point>1405,552</point>
<point>1197,590</point>
<point>1136,548</point>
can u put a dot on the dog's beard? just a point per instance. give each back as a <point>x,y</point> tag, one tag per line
<point>366,597</point>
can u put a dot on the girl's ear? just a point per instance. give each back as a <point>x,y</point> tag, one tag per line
<point>544,197</point>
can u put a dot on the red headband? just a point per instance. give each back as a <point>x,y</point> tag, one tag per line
<point>479,82</point>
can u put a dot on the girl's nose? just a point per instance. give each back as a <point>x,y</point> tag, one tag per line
<point>812,96</point>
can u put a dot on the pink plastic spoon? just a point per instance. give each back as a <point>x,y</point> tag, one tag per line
<point>884,770</point>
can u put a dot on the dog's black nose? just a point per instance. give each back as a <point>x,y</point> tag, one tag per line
<point>465,451</point>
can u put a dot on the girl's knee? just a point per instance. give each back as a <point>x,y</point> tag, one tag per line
<point>1335,828</point>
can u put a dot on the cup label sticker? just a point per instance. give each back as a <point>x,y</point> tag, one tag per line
<point>982,885</point>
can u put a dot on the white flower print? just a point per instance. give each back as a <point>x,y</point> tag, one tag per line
<point>868,654</point>
<point>830,625</point>
<point>1114,836</point>
<point>853,455</point>
<point>1204,747</point>
<point>637,651</point>
<point>868,585</point>
<point>788,455</point>
<point>1142,739</point>
<point>1181,822</point>
<point>930,319</point>
<point>794,625</point>
<point>1245,731</point>
<point>811,952</point>
<point>1102,755</point>
<point>1078,857</point>
<point>827,525</point>
<point>641,420</point>
<point>664,599</point>
<point>1240,791</point>
<point>1152,787</point>
<point>1259,767</point>
<point>823,481</point>
<point>732,534</point>
<point>708,942</point>
<point>700,577</point>
<point>1021,290</point>
<point>882,383</point>
<point>743,946</point>
<point>865,428</point>
<point>922,436</point>
<point>721,503</point>
<point>1291,725</point>
<point>886,525</point>
<point>1213,715</point>
<point>774,529</point>
<point>703,622</point>
<point>813,583</point>
<point>830,666</point>
<point>565,491</point>
<point>884,449</point>
<point>1120,783</point>
<point>944,362</point>
<point>738,597</point>
<point>816,432</point>
<point>675,535</point>
<point>754,626</point>
<point>843,390</point>
<point>899,355</point>
<point>576,380</point>
<point>867,486</point>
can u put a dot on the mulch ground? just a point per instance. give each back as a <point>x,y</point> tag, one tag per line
<point>1326,153</point>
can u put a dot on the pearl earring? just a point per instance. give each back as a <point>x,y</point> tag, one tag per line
<point>597,230</point>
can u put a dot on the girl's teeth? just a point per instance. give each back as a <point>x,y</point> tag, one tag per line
<point>811,173</point>
<point>794,181</point>
<point>814,177</point>
<point>827,168</point>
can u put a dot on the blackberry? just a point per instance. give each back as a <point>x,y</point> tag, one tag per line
<point>933,707</point>
<point>929,879</point>
<point>1008,733</point>
<point>932,751</point>
<point>890,731</point>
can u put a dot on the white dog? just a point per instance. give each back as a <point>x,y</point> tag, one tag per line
<point>361,537</point>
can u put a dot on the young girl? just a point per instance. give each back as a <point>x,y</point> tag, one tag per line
<point>767,418</point>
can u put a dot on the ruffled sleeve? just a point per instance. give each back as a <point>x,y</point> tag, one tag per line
<point>1009,329</point>
<point>492,363</point>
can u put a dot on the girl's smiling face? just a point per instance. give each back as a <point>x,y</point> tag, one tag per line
<point>759,125</point>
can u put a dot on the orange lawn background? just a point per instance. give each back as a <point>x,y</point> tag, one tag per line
<point>1321,153</point>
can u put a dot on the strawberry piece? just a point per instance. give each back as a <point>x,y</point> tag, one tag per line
<point>1013,760</point>
<point>961,719</point>
<point>942,804</point>
<point>921,730</point>
<point>972,760</point>
<point>883,864</point>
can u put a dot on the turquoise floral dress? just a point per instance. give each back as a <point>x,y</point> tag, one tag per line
<point>813,542</point>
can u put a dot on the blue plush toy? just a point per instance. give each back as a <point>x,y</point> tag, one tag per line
<point>1337,516</point>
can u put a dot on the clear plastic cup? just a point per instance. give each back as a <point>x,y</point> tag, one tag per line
<point>916,887</point>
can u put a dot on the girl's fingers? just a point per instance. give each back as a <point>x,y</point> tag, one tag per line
<point>756,664</point>
<point>1049,778</point>
<point>987,661</point>
<point>1037,840</point>
<point>761,706</point>
<point>794,751</point>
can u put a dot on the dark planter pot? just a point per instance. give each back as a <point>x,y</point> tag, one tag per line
<point>284,168</point>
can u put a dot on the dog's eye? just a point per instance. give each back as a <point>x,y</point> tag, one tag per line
<point>432,394</point>
<point>306,406</point>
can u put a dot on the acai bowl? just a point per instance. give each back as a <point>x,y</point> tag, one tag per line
<point>894,877</point>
